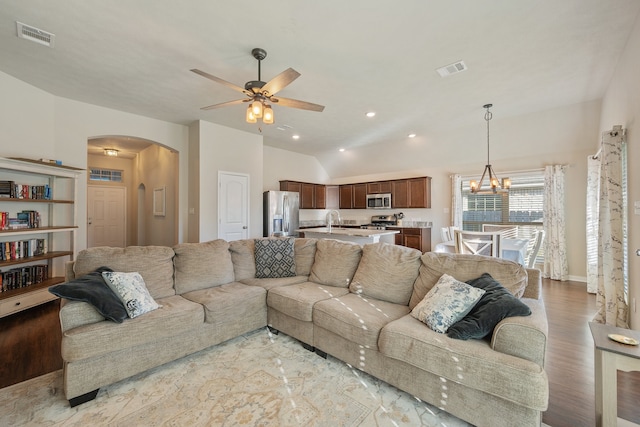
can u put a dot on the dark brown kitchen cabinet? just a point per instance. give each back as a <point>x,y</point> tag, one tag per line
<point>379,187</point>
<point>312,196</point>
<point>411,193</point>
<point>416,238</point>
<point>320,196</point>
<point>359,196</point>
<point>346,196</point>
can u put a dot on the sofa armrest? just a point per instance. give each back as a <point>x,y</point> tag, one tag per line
<point>534,284</point>
<point>77,313</point>
<point>523,336</point>
<point>69,274</point>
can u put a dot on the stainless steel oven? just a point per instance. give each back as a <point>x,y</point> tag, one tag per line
<point>379,201</point>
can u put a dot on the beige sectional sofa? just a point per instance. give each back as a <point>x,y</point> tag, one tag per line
<point>351,302</point>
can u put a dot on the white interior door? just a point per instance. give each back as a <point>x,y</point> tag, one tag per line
<point>106,219</point>
<point>233,206</point>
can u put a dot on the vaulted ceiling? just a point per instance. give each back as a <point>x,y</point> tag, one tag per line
<point>354,57</point>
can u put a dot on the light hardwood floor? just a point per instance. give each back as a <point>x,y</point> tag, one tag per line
<point>569,361</point>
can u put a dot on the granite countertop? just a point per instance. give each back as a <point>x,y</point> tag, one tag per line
<point>348,231</point>
<point>355,223</point>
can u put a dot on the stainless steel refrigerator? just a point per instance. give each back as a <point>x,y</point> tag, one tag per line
<point>280,213</point>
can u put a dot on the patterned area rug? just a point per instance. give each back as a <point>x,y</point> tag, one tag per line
<point>255,380</point>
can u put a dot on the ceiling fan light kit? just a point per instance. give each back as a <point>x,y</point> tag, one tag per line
<point>259,93</point>
<point>495,184</point>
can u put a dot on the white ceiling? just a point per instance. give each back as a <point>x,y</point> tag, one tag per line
<point>354,56</point>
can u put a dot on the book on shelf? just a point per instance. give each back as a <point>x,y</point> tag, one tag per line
<point>14,190</point>
<point>22,277</point>
<point>22,249</point>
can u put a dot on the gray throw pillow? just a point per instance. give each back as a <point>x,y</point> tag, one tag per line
<point>275,258</point>
<point>496,304</point>
<point>91,288</point>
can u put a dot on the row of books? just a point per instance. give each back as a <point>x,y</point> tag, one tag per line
<point>25,191</point>
<point>24,219</point>
<point>21,277</point>
<point>22,249</point>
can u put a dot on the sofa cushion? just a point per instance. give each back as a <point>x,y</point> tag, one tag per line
<point>93,289</point>
<point>177,315</point>
<point>298,300</point>
<point>274,258</point>
<point>132,291</point>
<point>463,267</point>
<point>243,258</point>
<point>446,303</point>
<point>228,301</point>
<point>355,318</point>
<point>387,272</point>
<point>154,263</point>
<point>335,262</point>
<point>244,261</point>
<point>305,253</point>
<point>471,363</point>
<point>274,283</point>
<point>202,265</point>
<point>496,304</point>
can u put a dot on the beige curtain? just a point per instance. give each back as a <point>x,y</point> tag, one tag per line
<point>456,201</point>
<point>612,292</point>
<point>556,266</point>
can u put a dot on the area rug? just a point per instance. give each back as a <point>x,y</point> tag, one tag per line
<point>258,379</point>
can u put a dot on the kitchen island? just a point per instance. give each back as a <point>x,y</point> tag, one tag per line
<point>356,235</point>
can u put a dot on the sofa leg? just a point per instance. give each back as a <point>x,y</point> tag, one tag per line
<point>321,353</point>
<point>308,347</point>
<point>83,398</point>
<point>273,330</point>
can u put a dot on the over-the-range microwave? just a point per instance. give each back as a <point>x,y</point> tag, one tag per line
<point>379,201</point>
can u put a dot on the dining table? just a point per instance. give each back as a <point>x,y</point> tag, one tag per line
<point>511,249</point>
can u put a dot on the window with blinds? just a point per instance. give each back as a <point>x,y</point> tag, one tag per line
<point>522,205</point>
<point>105,175</point>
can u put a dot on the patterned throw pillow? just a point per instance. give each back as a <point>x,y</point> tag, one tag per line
<point>132,291</point>
<point>446,303</point>
<point>275,258</point>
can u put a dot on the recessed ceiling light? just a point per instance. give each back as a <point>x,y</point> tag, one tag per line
<point>412,135</point>
<point>341,150</point>
<point>371,114</point>
<point>296,137</point>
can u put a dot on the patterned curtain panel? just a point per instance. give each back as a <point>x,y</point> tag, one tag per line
<point>612,295</point>
<point>556,266</point>
<point>456,201</point>
<point>593,195</point>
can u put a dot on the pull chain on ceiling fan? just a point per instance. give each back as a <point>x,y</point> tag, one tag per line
<point>260,94</point>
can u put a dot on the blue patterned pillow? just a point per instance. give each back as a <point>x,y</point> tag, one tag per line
<point>275,258</point>
<point>446,303</point>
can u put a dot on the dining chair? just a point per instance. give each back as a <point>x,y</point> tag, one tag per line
<point>534,248</point>
<point>478,243</point>
<point>508,231</point>
<point>445,234</point>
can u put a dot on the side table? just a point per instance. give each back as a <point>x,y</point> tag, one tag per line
<point>611,356</point>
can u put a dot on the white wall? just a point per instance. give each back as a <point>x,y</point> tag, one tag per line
<point>621,106</point>
<point>227,150</point>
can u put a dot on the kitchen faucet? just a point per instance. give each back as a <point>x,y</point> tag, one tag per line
<point>330,217</point>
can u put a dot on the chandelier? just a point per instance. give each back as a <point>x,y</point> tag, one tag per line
<point>496,185</point>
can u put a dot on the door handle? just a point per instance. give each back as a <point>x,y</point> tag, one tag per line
<point>244,227</point>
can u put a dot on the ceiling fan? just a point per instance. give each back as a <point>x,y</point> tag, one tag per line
<point>260,94</point>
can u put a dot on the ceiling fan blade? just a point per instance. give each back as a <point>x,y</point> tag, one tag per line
<point>224,82</point>
<point>294,103</point>
<point>280,81</point>
<point>226,104</point>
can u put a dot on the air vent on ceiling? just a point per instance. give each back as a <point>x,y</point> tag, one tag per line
<point>34,34</point>
<point>450,69</point>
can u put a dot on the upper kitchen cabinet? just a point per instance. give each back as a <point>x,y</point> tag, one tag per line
<point>312,196</point>
<point>379,187</point>
<point>411,193</point>
<point>346,196</point>
<point>359,196</point>
<point>332,197</point>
